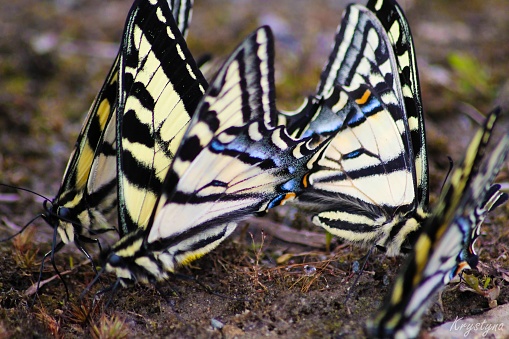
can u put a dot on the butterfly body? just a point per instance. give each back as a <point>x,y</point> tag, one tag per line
<point>445,245</point>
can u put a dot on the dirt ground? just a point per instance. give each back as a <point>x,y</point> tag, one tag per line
<point>264,281</point>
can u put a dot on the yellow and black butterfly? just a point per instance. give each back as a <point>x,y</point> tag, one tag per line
<point>183,185</point>
<point>445,246</point>
<point>87,197</point>
<point>371,186</point>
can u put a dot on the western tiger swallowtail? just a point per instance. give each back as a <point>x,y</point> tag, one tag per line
<point>371,186</point>
<point>88,196</point>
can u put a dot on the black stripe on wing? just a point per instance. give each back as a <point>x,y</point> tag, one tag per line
<point>368,177</point>
<point>88,190</point>
<point>367,157</point>
<point>182,11</point>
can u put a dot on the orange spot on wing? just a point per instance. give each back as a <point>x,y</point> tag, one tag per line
<point>364,97</point>
<point>288,196</point>
<point>461,266</point>
<point>305,180</point>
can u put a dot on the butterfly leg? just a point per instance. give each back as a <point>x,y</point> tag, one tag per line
<point>359,273</point>
<point>51,254</point>
<point>79,240</point>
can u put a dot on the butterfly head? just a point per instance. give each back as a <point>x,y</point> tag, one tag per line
<point>130,261</point>
<point>60,218</point>
<point>115,263</point>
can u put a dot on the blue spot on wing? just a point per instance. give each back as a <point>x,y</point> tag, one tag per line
<point>355,117</point>
<point>218,183</point>
<point>276,201</point>
<point>216,146</point>
<point>352,155</point>
<point>291,185</point>
<point>371,105</point>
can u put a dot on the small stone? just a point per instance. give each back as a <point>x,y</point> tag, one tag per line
<point>216,324</point>
<point>309,270</point>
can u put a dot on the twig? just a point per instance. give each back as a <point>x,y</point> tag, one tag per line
<point>288,234</point>
<point>33,289</point>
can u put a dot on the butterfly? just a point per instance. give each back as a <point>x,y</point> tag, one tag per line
<point>87,197</point>
<point>179,200</point>
<point>444,248</point>
<point>371,185</point>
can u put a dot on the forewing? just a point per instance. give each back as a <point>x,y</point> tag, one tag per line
<point>88,188</point>
<point>159,89</point>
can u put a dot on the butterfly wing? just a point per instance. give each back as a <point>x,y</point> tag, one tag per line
<point>231,163</point>
<point>85,194</point>
<point>393,20</point>
<point>159,88</point>
<point>366,182</point>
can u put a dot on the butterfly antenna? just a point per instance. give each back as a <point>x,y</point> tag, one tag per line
<point>22,229</point>
<point>26,190</point>
<point>359,273</point>
<point>33,219</point>
<point>451,165</point>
